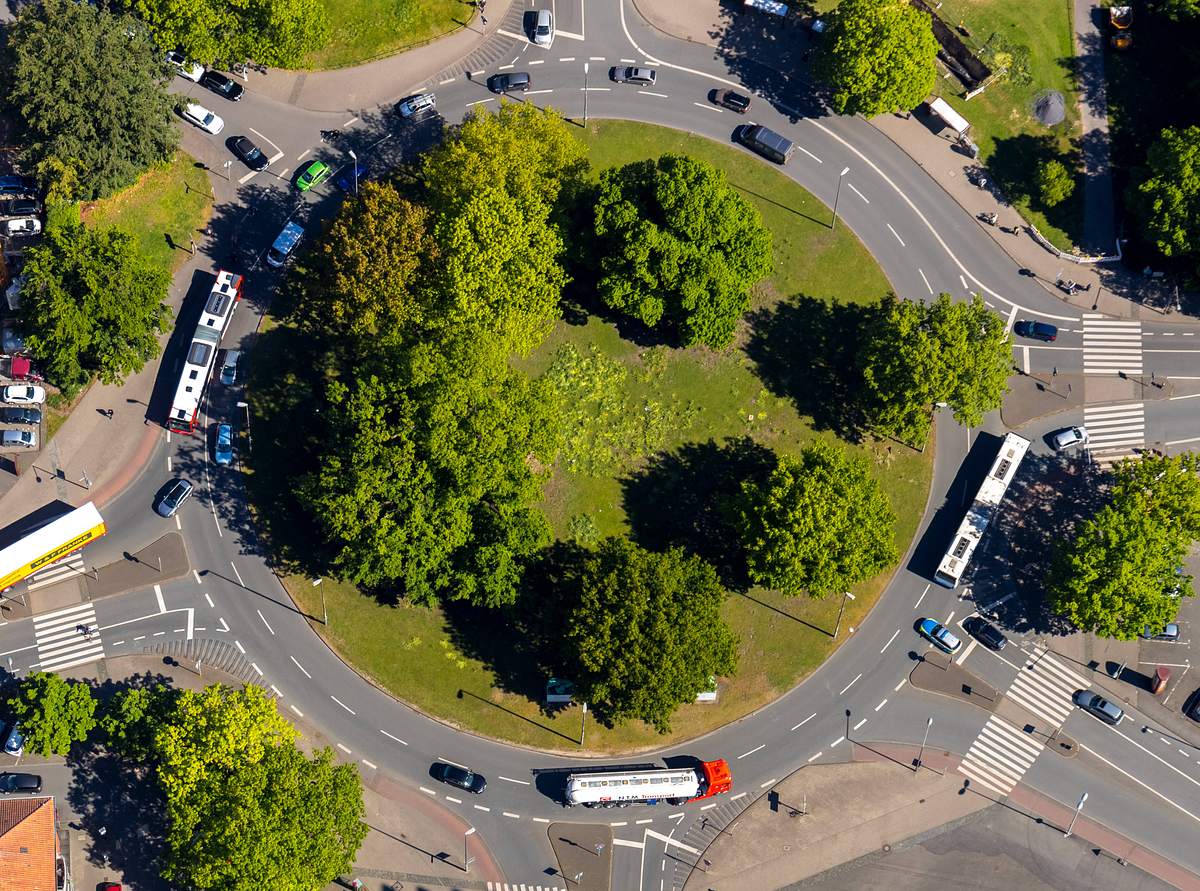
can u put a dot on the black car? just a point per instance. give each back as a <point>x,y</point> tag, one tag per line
<point>516,82</point>
<point>986,633</point>
<point>251,155</point>
<point>731,100</point>
<point>22,207</point>
<point>15,414</point>
<point>222,85</point>
<point>28,783</point>
<point>1191,706</point>
<point>453,775</point>
<point>1036,330</point>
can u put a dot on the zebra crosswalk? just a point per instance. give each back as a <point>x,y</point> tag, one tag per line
<point>59,642</point>
<point>1044,686</point>
<point>1111,346</point>
<point>66,568</point>
<point>1000,756</point>
<point>1115,431</point>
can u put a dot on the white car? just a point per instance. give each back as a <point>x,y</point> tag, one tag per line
<point>22,226</point>
<point>22,394</point>
<point>208,121</point>
<point>543,28</point>
<point>1068,437</point>
<point>415,106</point>
<point>191,70</point>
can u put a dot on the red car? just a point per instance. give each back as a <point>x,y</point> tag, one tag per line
<point>110,886</point>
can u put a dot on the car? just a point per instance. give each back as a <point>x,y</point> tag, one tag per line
<point>191,70</point>
<point>208,121</point>
<point>18,439</point>
<point>985,632</point>
<point>229,368</point>
<point>109,886</point>
<point>222,85</point>
<point>1099,707</point>
<point>1170,633</point>
<point>22,226</point>
<point>27,783</point>
<point>22,394</point>
<point>223,450</point>
<point>543,28</point>
<point>17,185</point>
<point>514,82</point>
<point>176,493</point>
<point>352,173</point>
<point>312,175</point>
<point>1191,706</point>
<point>252,156</point>
<point>1068,437</point>
<point>646,77</point>
<point>1036,330</point>
<point>939,635</point>
<point>15,744</point>
<point>453,775</point>
<point>22,207</point>
<point>416,106</point>
<point>731,100</point>
<point>20,416</point>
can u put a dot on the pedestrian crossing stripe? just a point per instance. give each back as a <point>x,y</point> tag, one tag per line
<point>1000,756</point>
<point>1045,686</point>
<point>69,567</point>
<point>1115,431</point>
<point>59,643</point>
<point>1111,346</point>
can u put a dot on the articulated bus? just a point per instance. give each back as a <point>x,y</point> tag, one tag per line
<point>51,542</point>
<point>979,517</point>
<point>202,352</point>
<point>621,787</point>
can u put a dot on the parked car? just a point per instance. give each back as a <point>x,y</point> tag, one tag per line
<point>191,70</point>
<point>176,493</point>
<point>18,439</point>
<point>22,226</point>
<point>1191,706</point>
<point>20,416</point>
<point>22,394</point>
<point>312,175</point>
<point>222,85</point>
<point>646,77</point>
<point>513,82</point>
<point>15,744</point>
<point>1170,633</point>
<point>21,783</point>
<point>731,100</point>
<point>206,120</point>
<point>22,207</point>
<point>229,368</point>
<point>453,775</point>
<point>939,635</point>
<point>418,105</point>
<point>223,449</point>
<point>1036,330</point>
<point>352,173</point>
<point>985,632</point>
<point>543,28</point>
<point>17,185</point>
<point>1068,437</point>
<point>252,156</point>
<point>1098,706</point>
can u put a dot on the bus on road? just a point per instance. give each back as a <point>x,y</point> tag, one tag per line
<point>621,787</point>
<point>51,542</point>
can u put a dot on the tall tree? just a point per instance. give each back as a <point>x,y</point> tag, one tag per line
<point>432,470</point>
<point>132,718</point>
<point>61,58</point>
<point>679,245</point>
<point>1167,200</point>
<point>92,305</point>
<point>818,523</point>
<point>647,633</point>
<point>915,355</point>
<point>53,712</point>
<point>283,821</point>
<point>877,56</point>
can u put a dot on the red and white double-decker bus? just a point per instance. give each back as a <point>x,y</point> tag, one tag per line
<point>202,351</point>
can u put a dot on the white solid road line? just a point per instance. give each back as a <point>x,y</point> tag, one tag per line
<point>1012,317</point>
<point>1145,786</point>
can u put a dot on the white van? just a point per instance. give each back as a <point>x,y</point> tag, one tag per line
<point>284,244</point>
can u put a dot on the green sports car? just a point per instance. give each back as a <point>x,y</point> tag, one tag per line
<point>315,173</point>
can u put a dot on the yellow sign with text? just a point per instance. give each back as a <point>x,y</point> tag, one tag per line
<point>56,552</point>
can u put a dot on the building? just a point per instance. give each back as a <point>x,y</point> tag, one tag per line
<point>30,859</point>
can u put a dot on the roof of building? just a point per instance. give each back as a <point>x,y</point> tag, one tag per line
<point>28,843</point>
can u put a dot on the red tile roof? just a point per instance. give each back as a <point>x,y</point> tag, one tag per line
<point>28,844</point>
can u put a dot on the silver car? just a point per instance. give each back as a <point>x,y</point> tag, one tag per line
<point>543,28</point>
<point>1098,706</point>
<point>1069,437</point>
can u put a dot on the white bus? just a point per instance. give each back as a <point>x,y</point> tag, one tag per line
<point>202,351</point>
<point>51,542</point>
<point>620,787</point>
<point>979,517</point>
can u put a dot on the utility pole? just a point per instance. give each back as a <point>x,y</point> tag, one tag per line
<point>583,725</point>
<point>467,860</point>
<point>921,754</point>
<point>841,610</point>
<point>836,196</point>
<point>1075,816</point>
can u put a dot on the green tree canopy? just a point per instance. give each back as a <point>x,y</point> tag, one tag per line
<point>818,523</point>
<point>1180,10</point>
<point>92,304</point>
<point>1055,182</point>
<point>275,32</point>
<point>132,718</point>
<point>61,59</point>
<point>1122,569</point>
<point>877,56</point>
<point>282,821</point>
<point>679,245</point>
<point>915,355</point>
<point>647,632</point>
<point>432,471</point>
<point>1168,198</point>
<point>494,187</point>
<point>53,712</point>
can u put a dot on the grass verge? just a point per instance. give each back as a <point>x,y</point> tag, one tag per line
<point>362,30</point>
<point>455,666</point>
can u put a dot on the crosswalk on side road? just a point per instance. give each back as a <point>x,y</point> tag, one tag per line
<point>1045,686</point>
<point>1111,346</point>
<point>1000,756</point>
<point>61,644</point>
<point>1115,431</point>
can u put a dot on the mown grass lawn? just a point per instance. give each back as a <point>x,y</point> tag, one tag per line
<point>362,30</point>
<point>479,679</point>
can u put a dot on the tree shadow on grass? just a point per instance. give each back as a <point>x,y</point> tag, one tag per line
<point>806,351</point>
<point>1014,167</point>
<point>680,499</point>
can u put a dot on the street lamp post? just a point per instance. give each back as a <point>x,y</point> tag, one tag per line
<point>585,92</point>
<point>249,438</point>
<point>583,725</point>
<point>841,610</point>
<point>925,739</point>
<point>227,165</point>
<point>467,860</point>
<point>1075,816</point>
<point>354,158</point>
<point>324,611</point>
<point>836,196</point>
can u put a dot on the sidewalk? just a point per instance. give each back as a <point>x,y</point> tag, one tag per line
<point>1098,209</point>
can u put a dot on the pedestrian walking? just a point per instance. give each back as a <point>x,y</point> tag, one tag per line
<point>483,19</point>
<point>193,241</point>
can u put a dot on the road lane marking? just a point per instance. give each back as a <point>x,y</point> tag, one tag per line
<point>449,80</point>
<point>209,599</point>
<point>455,763</point>
<point>732,798</point>
<point>903,681</point>
<point>369,764</point>
<point>659,95</point>
<point>643,822</point>
<point>351,122</point>
<point>860,723</point>
<point>301,667</point>
<point>511,815</point>
<point>343,748</point>
<point>881,705</point>
<point>256,668</point>
<point>265,622</point>
<point>343,705</point>
<point>480,807</point>
<point>890,639</point>
<point>815,757</point>
<point>616,841</point>
<point>1139,782</point>
<point>705,105</point>
<point>480,101</point>
<point>850,186</point>
<point>296,710</point>
<point>241,649</point>
<point>839,740</point>
<point>922,597</point>
<point>511,780</point>
<point>751,752</point>
<point>965,653</point>
<point>810,154</point>
<point>901,240</point>
<point>1012,317</point>
<point>238,574</point>
<point>396,738</point>
<point>667,840</point>
<point>851,684</point>
<point>927,285</point>
<point>427,791</point>
<point>455,800</point>
<point>162,607</point>
<point>805,721</point>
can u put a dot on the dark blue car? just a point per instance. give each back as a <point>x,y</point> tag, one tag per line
<point>1036,330</point>
<point>17,185</point>
<point>345,180</point>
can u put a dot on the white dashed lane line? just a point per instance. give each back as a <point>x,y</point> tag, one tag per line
<point>343,705</point>
<point>851,684</point>
<point>659,95</point>
<point>301,667</point>
<point>850,186</point>
<point>898,238</point>
<point>805,721</point>
<point>751,752</point>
